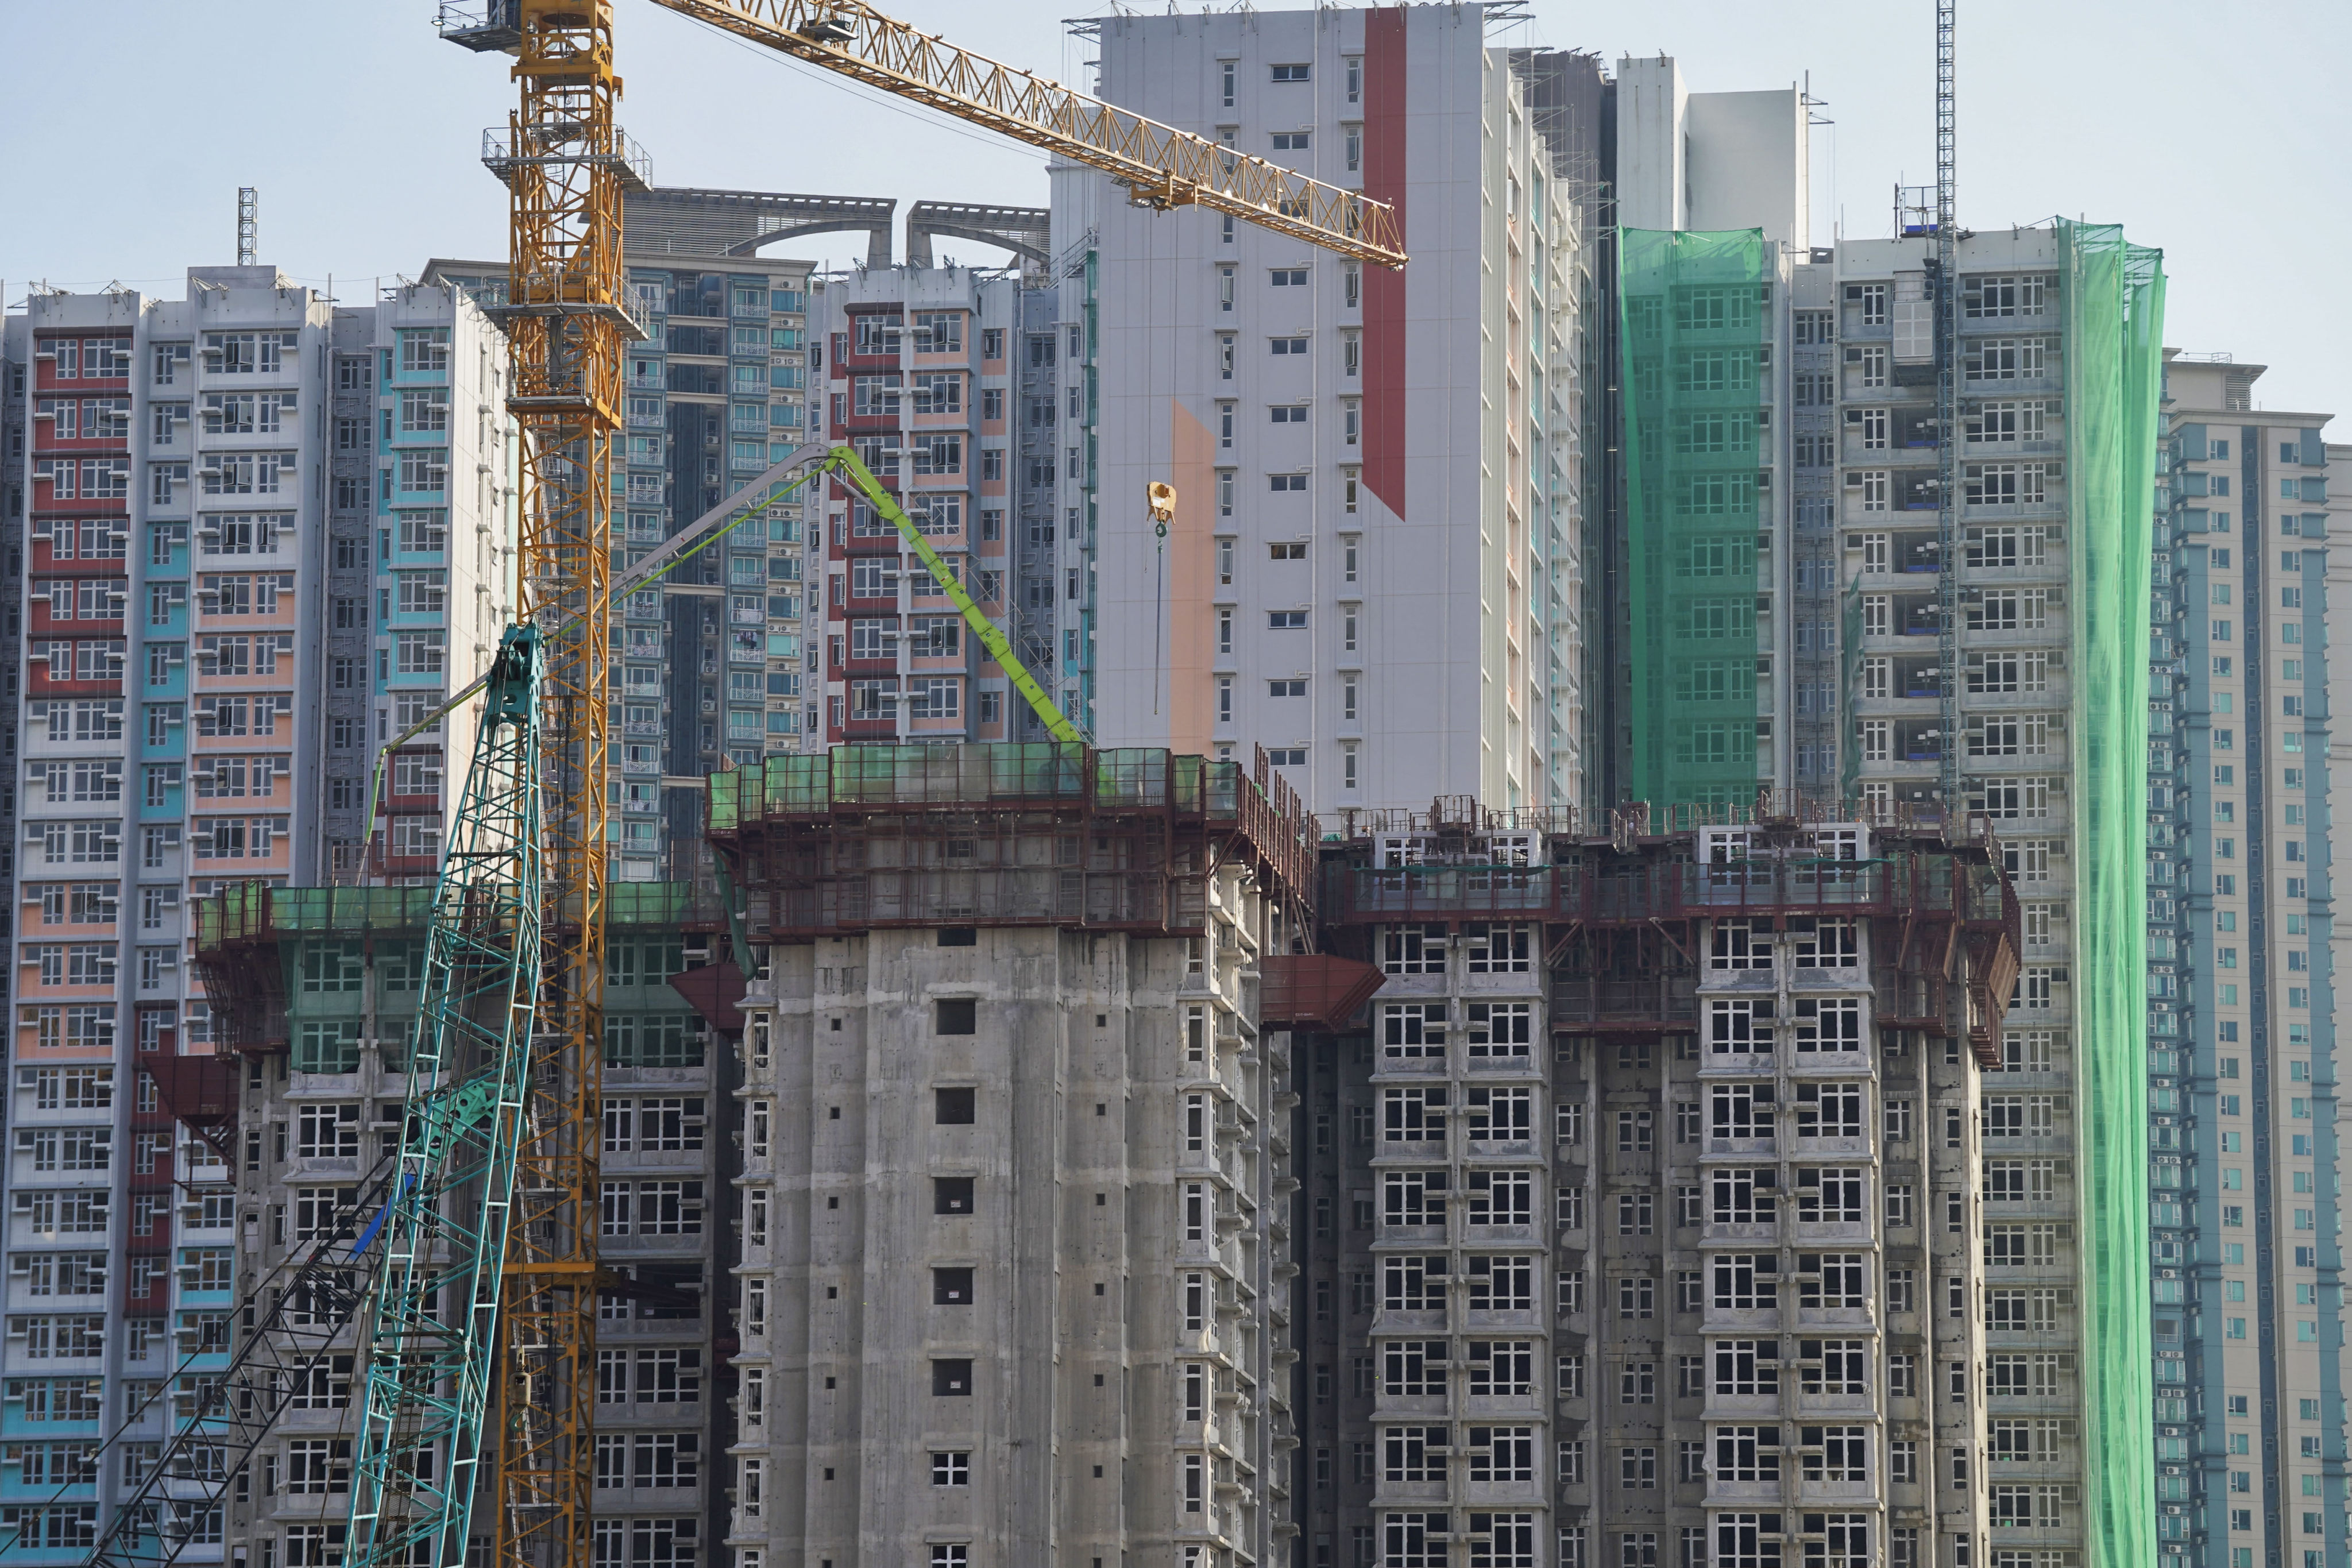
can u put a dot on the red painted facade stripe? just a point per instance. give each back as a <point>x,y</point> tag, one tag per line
<point>1385,290</point>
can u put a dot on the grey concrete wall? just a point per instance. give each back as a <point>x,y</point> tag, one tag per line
<point>1073,1429</point>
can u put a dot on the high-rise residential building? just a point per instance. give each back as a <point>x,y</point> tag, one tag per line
<point>315,993</point>
<point>1377,567</point>
<point>710,660</point>
<point>420,560</point>
<point>2242,1059</point>
<point>921,378</point>
<point>258,533</point>
<point>1993,660</point>
<point>1641,1218</point>
<point>1014,1283</point>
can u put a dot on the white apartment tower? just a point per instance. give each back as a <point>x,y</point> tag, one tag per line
<point>2040,687</point>
<point>1376,565</point>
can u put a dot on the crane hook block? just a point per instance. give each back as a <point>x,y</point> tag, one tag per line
<point>1161,498</point>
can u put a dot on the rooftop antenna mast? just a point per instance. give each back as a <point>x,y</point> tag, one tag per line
<point>248,225</point>
<point>1947,415</point>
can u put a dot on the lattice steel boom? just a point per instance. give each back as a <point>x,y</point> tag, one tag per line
<point>566,165</point>
<point>1159,165</point>
<point>433,1314</point>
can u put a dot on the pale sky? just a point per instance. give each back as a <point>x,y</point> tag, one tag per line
<point>2214,131</point>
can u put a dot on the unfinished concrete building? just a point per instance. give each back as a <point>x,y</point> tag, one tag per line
<point>1015,1277</point>
<point>1649,1182</point>
<point>314,993</point>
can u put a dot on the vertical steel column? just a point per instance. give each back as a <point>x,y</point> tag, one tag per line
<point>1947,422</point>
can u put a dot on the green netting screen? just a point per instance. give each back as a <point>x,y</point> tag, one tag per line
<point>2113,303</point>
<point>1694,325</point>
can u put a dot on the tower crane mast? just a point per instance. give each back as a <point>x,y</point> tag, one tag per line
<point>565,164</point>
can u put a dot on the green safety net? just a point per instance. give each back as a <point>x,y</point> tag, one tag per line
<point>2113,304</point>
<point>1695,319</point>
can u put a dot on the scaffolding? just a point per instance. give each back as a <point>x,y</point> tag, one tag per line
<point>2113,301</point>
<point>1693,328</point>
<point>1621,917</point>
<point>250,936</point>
<point>862,837</point>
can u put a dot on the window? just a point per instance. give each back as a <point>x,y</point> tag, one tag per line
<point>1833,1366</point>
<point>1637,1131</point>
<point>1413,1197</point>
<point>1289,277</point>
<point>1745,1281</point>
<point>1747,1367</point>
<point>1297,73</point>
<point>1747,1453</point>
<point>1742,1194</point>
<point>318,1465</point>
<point>1501,1369</point>
<point>1830,1279</point>
<point>1830,1195</point>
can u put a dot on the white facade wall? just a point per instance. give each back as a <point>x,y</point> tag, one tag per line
<point>1388,605</point>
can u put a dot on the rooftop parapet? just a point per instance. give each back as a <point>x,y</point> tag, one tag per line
<point>861,836</point>
<point>1621,904</point>
<point>249,938</point>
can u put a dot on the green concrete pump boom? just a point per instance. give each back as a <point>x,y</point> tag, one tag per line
<point>770,488</point>
<point>844,462</point>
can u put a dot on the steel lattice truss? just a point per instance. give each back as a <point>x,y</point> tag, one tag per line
<point>432,1323</point>
<point>291,1345</point>
<point>1160,165</point>
<point>566,322</point>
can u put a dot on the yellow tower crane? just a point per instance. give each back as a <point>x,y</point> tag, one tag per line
<point>566,163</point>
